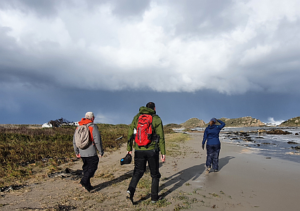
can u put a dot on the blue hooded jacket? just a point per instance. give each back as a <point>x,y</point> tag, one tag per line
<point>211,134</point>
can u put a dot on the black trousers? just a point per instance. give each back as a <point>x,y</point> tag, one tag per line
<point>140,160</point>
<point>90,165</point>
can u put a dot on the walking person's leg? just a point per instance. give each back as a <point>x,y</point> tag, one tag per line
<point>209,149</point>
<point>138,172</point>
<point>153,162</point>
<point>93,166</point>
<point>84,168</point>
<point>90,165</point>
<point>215,157</point>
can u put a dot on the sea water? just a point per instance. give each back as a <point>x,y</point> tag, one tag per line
<point>268,145</point>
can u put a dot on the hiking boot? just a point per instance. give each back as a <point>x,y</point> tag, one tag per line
<point>129,196</point>
<point>153,201</point>
<point>86,187</point>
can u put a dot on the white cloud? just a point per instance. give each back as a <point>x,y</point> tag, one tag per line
<point>80,47</point>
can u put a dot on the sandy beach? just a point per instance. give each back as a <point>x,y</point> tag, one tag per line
<point>246,181</point>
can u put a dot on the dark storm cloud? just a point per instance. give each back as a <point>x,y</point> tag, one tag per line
<point>186,44</point>
<point>127,8</point>
<point>193,58</point>
<point>43,8</point>
<point>202,18</point>
<point>49,9</point>
<point>37,106</point>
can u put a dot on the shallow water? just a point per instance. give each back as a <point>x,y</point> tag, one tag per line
<point>268,145</point>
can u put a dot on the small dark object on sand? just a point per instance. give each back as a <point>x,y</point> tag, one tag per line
<point>292,142</point>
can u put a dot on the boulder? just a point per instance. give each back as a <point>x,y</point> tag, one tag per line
<point>278,132</point>
<point>296,147</point>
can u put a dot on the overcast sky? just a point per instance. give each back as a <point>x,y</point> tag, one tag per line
<point>193,58</point>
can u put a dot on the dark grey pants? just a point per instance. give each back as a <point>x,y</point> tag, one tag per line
<point>213,152</point>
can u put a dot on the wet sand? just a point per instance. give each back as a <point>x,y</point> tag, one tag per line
<point>251,181</point>
<point>246,181</point>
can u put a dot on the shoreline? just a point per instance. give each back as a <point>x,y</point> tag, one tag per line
<point>246,181</point>
<point>255,181</point>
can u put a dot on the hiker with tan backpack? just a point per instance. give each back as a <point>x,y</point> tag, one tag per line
<point>86,142</point>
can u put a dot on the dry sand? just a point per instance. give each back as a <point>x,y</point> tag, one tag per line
<point>246,181</point>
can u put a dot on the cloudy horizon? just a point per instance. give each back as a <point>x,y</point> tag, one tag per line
<point>192,58</point>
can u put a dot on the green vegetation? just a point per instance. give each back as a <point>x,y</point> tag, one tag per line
<point>169,127</point>
<point>173,143</point>
<point>193,122</point>
<point>22,148</point>
<point>293,122</point>
<point>242,122</point>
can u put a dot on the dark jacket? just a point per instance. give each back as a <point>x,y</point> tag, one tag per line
<point>211,134</point>
<point>157,127</point>
<point>95,139</point>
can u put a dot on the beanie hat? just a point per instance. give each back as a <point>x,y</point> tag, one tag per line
<point>214,120</point>
<point>89,115</point>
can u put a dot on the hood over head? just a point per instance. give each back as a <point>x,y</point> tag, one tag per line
<point>85,121</point>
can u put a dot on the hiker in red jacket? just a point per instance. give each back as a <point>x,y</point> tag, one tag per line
<point>89,155</point>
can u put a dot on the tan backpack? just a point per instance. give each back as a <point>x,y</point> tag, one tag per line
<point>82,137</point>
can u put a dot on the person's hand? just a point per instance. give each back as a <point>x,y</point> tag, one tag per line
<point>163,158</point>
<point>129,152</point>
<point>78,155</point>
<point>203,146</point>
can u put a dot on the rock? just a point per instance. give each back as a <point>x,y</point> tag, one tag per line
<point>244,134</point>
<point>261,131</point>
<point>67,173</point>
<point>278,132</point>
<point>193,122</point>
<point>291,122</point>
<point>242,122</point>
<point>12,187</point>
<point>247,139</point>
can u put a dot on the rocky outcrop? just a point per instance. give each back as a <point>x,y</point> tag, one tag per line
<point>293,122</point>
<point>238,122</point>
<point>243,122</point>
<point>278,132</point>
<point>193,122</point>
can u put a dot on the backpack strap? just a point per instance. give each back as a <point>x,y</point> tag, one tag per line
<point>92,139</point>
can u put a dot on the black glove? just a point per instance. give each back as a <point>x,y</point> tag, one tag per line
<point>203,146</point>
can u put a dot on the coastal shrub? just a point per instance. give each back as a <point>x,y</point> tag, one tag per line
<point>21,147</point>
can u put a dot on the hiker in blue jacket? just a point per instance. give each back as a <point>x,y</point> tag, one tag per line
<point>213,145</point>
